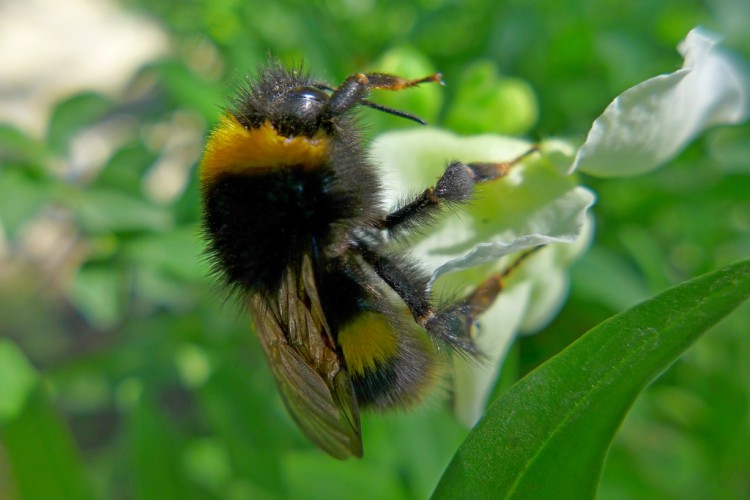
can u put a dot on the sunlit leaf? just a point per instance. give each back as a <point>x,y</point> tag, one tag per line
<point>548,436</point>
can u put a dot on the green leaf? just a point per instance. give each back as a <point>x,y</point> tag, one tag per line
<point>17,381</point>
<point>17,146</point>
<point>97,293</point>
<point>155,452</point>
<point>548,436</point>
<point>106,210</point>
<point>40,450</point>
<point>21,197</point>
<point>73,114</point>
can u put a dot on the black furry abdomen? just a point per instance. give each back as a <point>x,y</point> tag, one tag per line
<point>261,223</point>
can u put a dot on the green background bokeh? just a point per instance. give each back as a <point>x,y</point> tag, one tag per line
<point>160,381</point>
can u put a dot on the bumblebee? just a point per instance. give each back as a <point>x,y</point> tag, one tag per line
<point>294,224</point>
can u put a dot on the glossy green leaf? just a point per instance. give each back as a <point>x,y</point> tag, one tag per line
<point>548,436</point>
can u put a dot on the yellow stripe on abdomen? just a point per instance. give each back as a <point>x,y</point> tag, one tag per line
<point>232,148</point>
<point>367,341</point>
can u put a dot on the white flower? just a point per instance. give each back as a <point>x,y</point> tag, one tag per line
<point>537,203</point>
<point>650,123</point>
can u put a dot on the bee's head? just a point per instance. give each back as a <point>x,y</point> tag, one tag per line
<point>296,105</point>
<point>304,104</point>
<point>300,110</point>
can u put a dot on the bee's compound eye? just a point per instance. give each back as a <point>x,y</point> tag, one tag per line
<point>305,103</point>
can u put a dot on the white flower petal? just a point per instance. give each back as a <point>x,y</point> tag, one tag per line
<point>548,276</point>
<point>530,207</point>
<point>531,299</point>
<point>650,123</point>
<point>561,220</point>
<point>474,379</point>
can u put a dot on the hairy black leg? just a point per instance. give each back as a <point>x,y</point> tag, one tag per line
<point>406,279</point>
<point>456,185</point>
<point>450,324</point>
<point>412,285</point>
<point>457,318</point>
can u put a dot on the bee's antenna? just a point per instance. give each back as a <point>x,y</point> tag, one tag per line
<point>391,111</point>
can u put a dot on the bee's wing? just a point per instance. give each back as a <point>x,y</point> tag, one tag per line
<point>315,388</point>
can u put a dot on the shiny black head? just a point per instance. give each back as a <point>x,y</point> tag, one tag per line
<point>303,104</point>
<point>286,97</point>
<point>296,105</point>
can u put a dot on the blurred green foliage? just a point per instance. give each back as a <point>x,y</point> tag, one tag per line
<point>159,379</point>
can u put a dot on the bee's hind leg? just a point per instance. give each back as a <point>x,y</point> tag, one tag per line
<point>451,324</point>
